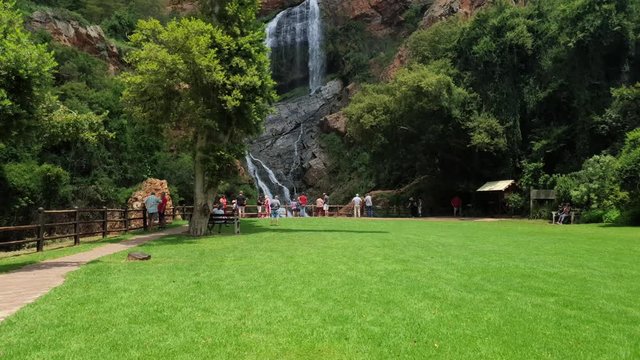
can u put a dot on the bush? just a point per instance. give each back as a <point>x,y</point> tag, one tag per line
<point>515,202</point>
<point>612,216</point>
<point>592,216</point>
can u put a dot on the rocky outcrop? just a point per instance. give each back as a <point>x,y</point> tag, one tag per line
<point>380,15</point>
<point>182,7</point>
<point>89,38</point>
<point>272,6</point>
<point>399,61</point>
<point>136,201</point>
<point>289,145</point>
<point>438,11</point>
<point>334,123</point>
<point>442,9</point>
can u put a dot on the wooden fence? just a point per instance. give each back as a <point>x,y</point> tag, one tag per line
<point>79,223</point>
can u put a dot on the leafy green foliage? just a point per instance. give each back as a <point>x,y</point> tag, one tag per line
<point>212,83</point>
<point>26,186</point>
<point>352,51</point>
<point>25,75</point>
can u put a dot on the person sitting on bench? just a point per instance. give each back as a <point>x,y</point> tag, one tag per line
<point>566,211</point>
<point>218,212</point>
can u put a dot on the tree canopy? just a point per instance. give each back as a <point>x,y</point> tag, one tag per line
<point>210,83</point>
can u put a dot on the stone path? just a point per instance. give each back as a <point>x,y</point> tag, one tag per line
<point>23,286</point>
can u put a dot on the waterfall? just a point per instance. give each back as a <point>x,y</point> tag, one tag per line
<point>294,37</point>
<point>316,56</point>
<point>253,171</point>
<point>286,195</point>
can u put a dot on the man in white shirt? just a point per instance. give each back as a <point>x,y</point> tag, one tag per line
<point>368,205</point>
<point>357,203</point>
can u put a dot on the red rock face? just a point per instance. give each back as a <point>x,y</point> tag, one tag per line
<point>380,15</point>
<point>90,39</point>
<point>441,9</point>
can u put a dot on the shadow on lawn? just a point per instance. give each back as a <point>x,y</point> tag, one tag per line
<point>247,228</point>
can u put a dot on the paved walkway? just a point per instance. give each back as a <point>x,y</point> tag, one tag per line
<point>23,286</point>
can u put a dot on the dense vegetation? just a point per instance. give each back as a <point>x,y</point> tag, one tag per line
<point>66,137</point>
<point>546,93</point>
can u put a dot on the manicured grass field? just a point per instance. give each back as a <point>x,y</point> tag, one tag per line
<point>14,260</point>
<point>345,289</point>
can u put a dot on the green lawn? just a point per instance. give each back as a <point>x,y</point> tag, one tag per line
<point>344,289</point>
<point>14,260</point>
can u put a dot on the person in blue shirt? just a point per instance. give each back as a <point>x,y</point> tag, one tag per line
<point>151,204</point>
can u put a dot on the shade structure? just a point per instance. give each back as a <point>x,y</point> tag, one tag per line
<point>501,185</point>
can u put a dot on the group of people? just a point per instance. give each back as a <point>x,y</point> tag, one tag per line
<point>156,208</point>
<point>359,204</point>
<point>271,207</point>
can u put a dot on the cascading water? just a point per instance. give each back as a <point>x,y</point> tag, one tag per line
<point>274,184</point>
<point>253,171</point>
<point>295,39</point>
<point>316,55</point>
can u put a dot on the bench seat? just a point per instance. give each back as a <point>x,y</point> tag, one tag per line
<point>215,219</point>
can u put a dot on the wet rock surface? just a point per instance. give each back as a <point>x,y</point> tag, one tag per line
<point>289,145</point>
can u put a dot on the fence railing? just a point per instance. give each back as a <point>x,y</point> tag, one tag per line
<point>81,223</point>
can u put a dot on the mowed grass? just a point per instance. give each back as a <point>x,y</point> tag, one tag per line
<point>345,289</point>
<point>10,261</point>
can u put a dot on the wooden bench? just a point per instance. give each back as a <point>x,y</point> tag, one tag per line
<point>574,215</point>
<point>215,219</point>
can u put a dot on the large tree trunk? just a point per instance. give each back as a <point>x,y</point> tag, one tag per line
<point>200,218</point>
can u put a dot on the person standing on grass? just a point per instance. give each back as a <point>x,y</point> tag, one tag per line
<point>368,205</point>
<point>267,206</point>
<point>162,208</point>
<point>151,203</point>
<point>275,210</point>
<point>413,207</point>
<point>302,200</point>
<point>456,203</point>
<point>319,206</point>
<point>294,207</point>
<point>241,202</point>
<point>325,206</point>
<point>357,203</point>
<point>259,204</point>
<point>419,207</point>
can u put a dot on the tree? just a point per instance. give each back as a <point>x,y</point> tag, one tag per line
<point>25,74</point>
<point>212,84</point>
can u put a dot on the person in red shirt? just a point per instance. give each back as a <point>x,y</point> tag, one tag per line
<point>456,203</point>
<point>162,207</point>
<point>302,200</point>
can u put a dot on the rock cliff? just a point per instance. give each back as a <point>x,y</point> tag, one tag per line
<point>89,38</point>
<point>289,145</point>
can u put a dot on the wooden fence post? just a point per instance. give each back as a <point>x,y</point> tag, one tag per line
<point>104,222</point>
<point>40,244</point>
<point>144,218</point>
<point>126,220</point>
<point>76,227</point>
